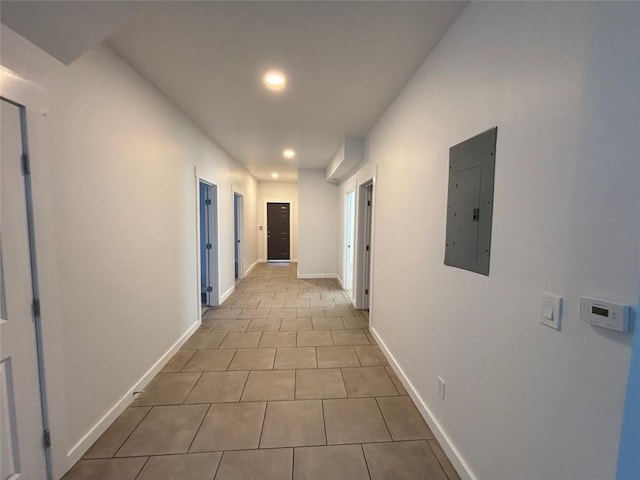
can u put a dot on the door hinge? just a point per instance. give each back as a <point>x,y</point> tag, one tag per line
<point>368,203</point>
<point>207,201</point>
<point>367,248</point>
<point>26,167</point>
<point>209,289</point>
<point>36,307</point>
<point>47,439</point>
<point>209,246</point>
<point>366,291</point>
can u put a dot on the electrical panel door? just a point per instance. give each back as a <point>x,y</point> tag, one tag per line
<point>470,202</point>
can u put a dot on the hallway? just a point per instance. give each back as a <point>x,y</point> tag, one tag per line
<point>282,381</point>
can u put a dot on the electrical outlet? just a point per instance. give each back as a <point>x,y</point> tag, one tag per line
<point>441,386</point>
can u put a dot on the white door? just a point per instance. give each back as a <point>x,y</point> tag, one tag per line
<point>21,431</point>
<point>349,247</point>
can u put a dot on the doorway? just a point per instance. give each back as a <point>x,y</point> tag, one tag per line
<point>23,412</point>
<point>349,238</point>
<point>278,232</point>
<point>208,244</point>
<point>364,246</point>
<point>237,236</point>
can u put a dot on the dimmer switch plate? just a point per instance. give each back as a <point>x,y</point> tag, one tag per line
<point>551,310</point>
<point>605,314</point>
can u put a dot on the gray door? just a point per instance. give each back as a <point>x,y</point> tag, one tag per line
<point>368,198</point>
<point>237,235</point>
<point>208,244</point>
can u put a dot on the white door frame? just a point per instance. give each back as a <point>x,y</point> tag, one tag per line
<point>35,309</point>
<point>362,300</point>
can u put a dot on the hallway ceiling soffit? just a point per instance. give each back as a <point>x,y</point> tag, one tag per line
<point>345,62</point>
<point>66,29</point>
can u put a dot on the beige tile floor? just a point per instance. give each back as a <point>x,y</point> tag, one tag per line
<point>282,381</point>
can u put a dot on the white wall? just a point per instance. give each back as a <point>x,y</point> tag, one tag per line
<point>319,211</point>
<point>277,192</point>
<point>115,204</point>
<point>560,80</point>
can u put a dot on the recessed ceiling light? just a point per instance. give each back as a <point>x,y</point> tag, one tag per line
<point>289,153</point>
<point>274,80</point>
<point>274,175</point>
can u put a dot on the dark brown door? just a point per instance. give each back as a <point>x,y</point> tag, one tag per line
<point>278,231</point>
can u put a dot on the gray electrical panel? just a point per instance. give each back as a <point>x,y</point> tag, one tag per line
<point>470,202</point>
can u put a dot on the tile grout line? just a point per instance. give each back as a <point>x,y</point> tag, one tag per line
<point>324,423</point>
<point>384,419</point>
<point>365,460</point>
<point>231,361</point>
<point>244,386</point>
<point>437,458</point>
<point>192,387</point>
<point>143,465</point>
<point>215,472</point>
<point>199,427</point>
<point>132,431</point>
<point>188,359</point>
<point>344,383</point>
<point>264,420</point>
<point>392,382</point>
<point>293,462</point>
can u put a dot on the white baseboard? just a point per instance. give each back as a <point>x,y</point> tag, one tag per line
<point>317,275</point>
<point>226,294</point>
<point>452,452</point>
<point>80,448</point>
<point>340,281</point>
<point>251,267</point>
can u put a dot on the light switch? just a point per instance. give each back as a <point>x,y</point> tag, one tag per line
<point>550,310</point>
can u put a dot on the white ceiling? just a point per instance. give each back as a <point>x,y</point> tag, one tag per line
<point>345,62</point>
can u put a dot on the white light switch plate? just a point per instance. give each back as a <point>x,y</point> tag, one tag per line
<point>441,385</point>
<point>551,310</point>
